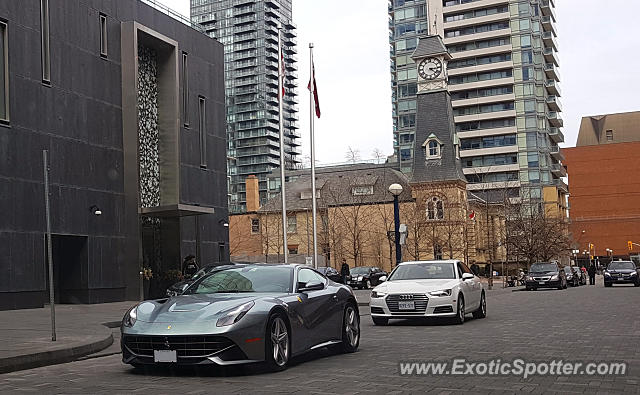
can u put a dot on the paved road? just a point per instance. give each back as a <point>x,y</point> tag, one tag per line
<point>586,323</point>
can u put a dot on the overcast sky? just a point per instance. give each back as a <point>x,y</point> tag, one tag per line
<point>599,68</point>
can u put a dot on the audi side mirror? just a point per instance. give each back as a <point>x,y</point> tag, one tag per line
<point>466,276</point>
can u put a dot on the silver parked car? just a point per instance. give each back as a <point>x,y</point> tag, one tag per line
<point>243,314</point>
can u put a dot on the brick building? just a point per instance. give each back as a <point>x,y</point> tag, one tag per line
<point>604,172</point>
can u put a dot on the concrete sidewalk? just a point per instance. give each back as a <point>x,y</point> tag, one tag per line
<point>26,334</point>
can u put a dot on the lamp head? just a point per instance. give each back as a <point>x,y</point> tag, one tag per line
<point>395,189</point>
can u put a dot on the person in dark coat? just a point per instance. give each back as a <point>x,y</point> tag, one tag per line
<point>592,274</point>
<point>344,271</point>
<point>189,266</point>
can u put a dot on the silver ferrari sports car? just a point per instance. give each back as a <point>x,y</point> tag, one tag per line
<point>243,314</point>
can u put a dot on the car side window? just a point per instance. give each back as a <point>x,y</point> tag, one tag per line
<point>460,271</point>
<point>465,268</point>
<point>306,276</point>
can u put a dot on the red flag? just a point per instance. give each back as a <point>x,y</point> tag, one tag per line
<point>472,215</point>
<point>313,87</point>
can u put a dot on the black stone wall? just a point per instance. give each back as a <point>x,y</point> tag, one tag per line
<point>78,118</point>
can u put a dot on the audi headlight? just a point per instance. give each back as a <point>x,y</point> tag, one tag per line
<point>444,292</point>
<point>378,294</point>
<point>234,315</point>
<point>131,317</point>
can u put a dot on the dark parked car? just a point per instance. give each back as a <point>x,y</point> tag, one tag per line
<point>572,276</point>
<point>546,275</point>
<point>621,272</point>
<point>331,273</point>
<point>179,287</point>
<point>364,277</point>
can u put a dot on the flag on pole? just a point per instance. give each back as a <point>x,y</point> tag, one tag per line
<point>314,89</point>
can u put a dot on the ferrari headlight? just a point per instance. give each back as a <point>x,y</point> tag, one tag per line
<point>378,294</point>
<point>234,315</point>
<point>444,292</point>
<point>131,317</point>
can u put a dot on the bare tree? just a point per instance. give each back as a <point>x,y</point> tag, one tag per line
<point>271,235</point>
<point>378,155</point>
<point>352,219</point>
<point>352,155</point>
<point>534,233</point>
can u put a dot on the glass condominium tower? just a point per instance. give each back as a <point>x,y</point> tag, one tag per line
<point>503,81</point>
<point>249,31</point>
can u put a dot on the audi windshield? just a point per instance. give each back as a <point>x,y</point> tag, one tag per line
<point>424,271</point>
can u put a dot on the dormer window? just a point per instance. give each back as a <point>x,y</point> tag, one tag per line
<point>432,147</point>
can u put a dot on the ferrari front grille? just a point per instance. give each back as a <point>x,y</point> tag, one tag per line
<point>191,346</point>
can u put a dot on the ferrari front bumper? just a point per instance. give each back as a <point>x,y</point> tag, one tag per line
<point>193,344</point>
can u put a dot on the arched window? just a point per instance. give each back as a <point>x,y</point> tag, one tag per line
<point>435,209</point>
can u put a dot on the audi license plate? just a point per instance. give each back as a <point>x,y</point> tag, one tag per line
<point>165,356</point>
<point>407,305</point>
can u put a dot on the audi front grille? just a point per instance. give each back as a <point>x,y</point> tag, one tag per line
<point>420,301</point>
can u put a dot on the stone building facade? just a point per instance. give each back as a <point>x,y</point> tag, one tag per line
<point>129,103</point>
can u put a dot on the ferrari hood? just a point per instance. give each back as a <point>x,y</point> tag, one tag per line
<point>187,308</point>
<point>415,286</point>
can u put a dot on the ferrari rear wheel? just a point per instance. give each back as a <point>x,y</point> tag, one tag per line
<point>350,329</point>
<point>277,345</point>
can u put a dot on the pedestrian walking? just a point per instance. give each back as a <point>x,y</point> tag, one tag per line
<point>592,274</point>
<point>344,271</point>
<point>189,266</point>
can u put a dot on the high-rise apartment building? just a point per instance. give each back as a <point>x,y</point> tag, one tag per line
<point>249,31</point>
<point>503,80</point>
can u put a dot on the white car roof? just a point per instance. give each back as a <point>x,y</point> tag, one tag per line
<point>438,261</point>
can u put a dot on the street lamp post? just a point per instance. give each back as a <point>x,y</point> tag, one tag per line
<point>396,190</point>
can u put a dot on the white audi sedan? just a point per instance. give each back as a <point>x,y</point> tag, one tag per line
<point>428,289</point>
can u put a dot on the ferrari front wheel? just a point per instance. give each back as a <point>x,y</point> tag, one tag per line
<point>350,329</point>
<point>277,344</point>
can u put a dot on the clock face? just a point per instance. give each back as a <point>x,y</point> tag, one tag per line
<point>430,68</point>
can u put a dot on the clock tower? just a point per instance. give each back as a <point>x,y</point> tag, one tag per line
<point>436,156</point>
<point>431,56</point>
<point>438,184</point>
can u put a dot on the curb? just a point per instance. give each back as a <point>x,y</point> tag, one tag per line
<point>54,357</point>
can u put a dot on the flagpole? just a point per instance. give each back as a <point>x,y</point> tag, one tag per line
<point>282,181</point>
<point>313,158</point>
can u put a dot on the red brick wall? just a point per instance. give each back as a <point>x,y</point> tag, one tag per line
<point>604,186</point>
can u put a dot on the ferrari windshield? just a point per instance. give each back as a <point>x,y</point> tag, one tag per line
<point>421,271</point>
<point>252,278</point>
